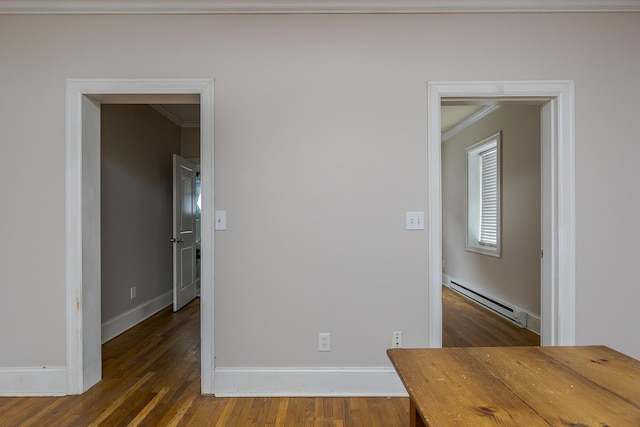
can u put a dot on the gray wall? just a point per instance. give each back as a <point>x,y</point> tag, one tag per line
<point>515,276</point>
<point>320,149</point>
<point>190,143</point>
<point>137,144</point>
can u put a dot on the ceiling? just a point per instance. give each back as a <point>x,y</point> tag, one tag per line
<point>311,6</point>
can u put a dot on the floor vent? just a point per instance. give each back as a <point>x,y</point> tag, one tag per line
<point>516,316</point>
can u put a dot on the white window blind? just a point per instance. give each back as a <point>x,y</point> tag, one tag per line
<point>483,197</point>
<point>489,197</point>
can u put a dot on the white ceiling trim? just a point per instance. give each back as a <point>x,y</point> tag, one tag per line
<point>175,119</point>
<point>469,121</point>
<point>310,6</point>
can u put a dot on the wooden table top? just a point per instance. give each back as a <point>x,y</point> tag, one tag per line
<point>521,386</point>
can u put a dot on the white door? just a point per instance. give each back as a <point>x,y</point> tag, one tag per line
<point>184,232</point>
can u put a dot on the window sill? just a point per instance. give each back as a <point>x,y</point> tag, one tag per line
<point>484,251</point>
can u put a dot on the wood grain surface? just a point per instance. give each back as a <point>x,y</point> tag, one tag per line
<point>521,386</point>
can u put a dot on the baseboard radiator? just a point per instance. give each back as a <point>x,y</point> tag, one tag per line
<point>511,313</point>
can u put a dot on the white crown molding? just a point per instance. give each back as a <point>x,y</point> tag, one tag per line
<point>310,6</point>
<point>469,121</point>
<point>168,114</point>
<point>176,120</point>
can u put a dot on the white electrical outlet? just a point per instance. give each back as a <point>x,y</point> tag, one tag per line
<point>396,339</point>
<point>133,292</point>
<point>324,341</point>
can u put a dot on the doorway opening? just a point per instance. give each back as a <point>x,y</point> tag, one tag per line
<point>555,99</point>
<point>491,206</point>
<point>150,235</point>
<point>84,98</point>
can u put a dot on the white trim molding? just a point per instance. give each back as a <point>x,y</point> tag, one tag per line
<point>173,118</point>
<point>35,381</point>
<point>114,327</point>
<point>558,197</point>
<point>243,382</point>
<point>310,6</point>
<point>84,97</point>
<point>482,113</point>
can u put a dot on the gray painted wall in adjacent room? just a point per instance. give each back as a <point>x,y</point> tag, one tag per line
<point>515,276</point>
<point>137,144</point>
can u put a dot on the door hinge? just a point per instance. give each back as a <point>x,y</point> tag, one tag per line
<point>541,254</point>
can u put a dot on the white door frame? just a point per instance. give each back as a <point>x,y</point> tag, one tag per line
<point>558,197</point>
<point>84,96</point>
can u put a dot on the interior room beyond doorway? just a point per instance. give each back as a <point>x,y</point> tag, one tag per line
<point>498,270</point>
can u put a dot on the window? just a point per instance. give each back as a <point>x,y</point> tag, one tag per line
<point>483,196</point>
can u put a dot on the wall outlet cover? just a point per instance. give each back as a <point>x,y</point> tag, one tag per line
<point>324,341</point>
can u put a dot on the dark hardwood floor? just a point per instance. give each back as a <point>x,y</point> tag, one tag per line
<point>151,377</point>
<point>467,324</point>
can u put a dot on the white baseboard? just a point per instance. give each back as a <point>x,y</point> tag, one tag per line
<point>239,382</point>
<point>114,327</point>
<point>47,381</point>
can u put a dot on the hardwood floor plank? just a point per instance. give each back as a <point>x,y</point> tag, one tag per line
<point>327,412</point>
<point>180,413</point>
<point>263,412</point>
<point>36,418</point>
<point>281,417</point>
<point>336,410</point>
<point>318,408</point>
<point>203,411</point>
<point>122,399</point>
<point>20,412</point>
<point>227,410</point>
<point>309,410</point>
<point>148,408</point>
<point>272,415</point>
<point>354,412</point>
<point>467,324</point>
<point>174,403</point>
<point>10,405</point>
<point>151,376</point>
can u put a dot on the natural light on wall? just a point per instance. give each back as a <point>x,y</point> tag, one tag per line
<point>483,196</point>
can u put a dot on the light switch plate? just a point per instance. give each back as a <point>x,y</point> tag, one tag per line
<point>221,220</point>
<point>415,220</point>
